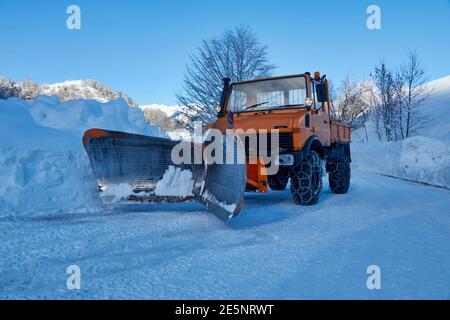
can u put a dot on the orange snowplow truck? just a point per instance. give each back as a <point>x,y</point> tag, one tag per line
<point>298,108</point>
<point>304,143</point>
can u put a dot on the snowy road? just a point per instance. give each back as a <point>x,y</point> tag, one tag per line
<point>272,250</point>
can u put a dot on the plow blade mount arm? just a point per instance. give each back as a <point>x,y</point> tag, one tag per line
<point>132,168</point>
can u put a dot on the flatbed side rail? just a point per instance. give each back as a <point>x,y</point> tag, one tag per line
<point>340,133</point>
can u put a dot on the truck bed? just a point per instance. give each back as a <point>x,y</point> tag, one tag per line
<point>340,133</point>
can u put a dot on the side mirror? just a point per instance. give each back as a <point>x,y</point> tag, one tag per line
<point>226,86</point>
<point>321,91</point>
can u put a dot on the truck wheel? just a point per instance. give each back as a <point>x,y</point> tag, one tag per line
<point>339,176</point>
<point>278,182</point>
<point>306,180</point>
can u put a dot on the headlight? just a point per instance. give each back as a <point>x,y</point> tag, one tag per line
<point>285,160</point>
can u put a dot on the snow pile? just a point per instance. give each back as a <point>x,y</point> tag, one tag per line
<point>117,192</point>
<point>45,183</point>
<point>423,158</point>
<point>43,167</point>
<point>48,124</point>
<point>175,183</point>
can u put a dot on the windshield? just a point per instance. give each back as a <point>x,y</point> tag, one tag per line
<point>268,94</point>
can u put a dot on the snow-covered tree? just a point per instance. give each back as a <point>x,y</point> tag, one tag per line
<point>9,88</point>
<point>30,89</point>
<point>352,105</point>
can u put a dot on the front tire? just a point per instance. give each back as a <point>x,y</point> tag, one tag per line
<point>340,175</point>
<point>306,180</point>
<point>279,181</point>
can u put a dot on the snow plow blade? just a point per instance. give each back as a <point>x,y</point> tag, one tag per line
<point>132,168</point>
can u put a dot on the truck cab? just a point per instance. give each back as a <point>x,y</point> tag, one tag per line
<point>298,108</point>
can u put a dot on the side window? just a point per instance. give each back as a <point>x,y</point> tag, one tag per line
<point>314,95</point>
<point>320,97</point>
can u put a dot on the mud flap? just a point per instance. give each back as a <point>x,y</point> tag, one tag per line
<point>129,168</point>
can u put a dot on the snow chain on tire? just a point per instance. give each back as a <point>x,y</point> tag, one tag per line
<point>306,180</point>
<point>339,176</point>
<point>278,182</point>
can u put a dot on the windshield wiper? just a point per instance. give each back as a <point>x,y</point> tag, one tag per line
<point>256,105</point>
<point>287,106</point>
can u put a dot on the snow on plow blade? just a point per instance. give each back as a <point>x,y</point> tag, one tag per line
<point>132,168</point>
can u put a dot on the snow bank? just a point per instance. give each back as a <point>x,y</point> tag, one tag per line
<point>418,159</point>
<point>48,124</point>
<point>43,167</point>
<point>424,158</point>
<point>36,183</point>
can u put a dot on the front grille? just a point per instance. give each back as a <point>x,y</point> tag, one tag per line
<point>286,140</point>
<point>286,143</point>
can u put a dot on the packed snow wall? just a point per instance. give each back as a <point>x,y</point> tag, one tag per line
<point>43,167</point>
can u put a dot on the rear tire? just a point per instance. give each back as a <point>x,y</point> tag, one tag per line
<point>306,180</point>
<point>278,182</point>
<point>339,175</point>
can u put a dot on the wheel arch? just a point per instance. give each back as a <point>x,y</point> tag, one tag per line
<point>347,151</point>
<point>337,151</point>
<point>314,144</point>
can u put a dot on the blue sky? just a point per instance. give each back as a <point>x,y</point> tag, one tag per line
<point>142,47</point>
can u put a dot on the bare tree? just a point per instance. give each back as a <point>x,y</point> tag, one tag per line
<point>236,54</point>
<point>367,89</point>
<point>385,103</point>
<point>412,91</point>
<point>398,96</point>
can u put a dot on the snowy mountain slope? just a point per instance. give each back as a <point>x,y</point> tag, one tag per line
<point>83,89</point>
<point>175,133</point>
<point>43,167</point>
<point>67,90</point>
<point>422,158</point>
<point>168,110</point>
<point>438,106</point>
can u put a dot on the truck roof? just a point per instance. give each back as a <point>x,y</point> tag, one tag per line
<point>271,78</point>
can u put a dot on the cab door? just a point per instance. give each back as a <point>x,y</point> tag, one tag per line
<point>320,116</point>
